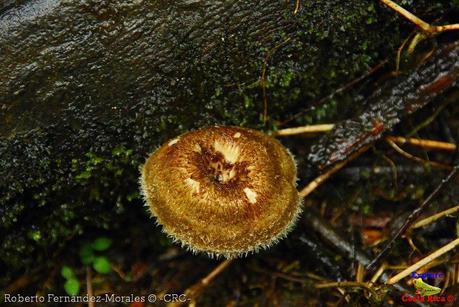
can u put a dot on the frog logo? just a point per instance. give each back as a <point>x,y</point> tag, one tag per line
<point>424,289</point>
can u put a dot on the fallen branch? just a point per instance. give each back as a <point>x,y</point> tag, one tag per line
<point>323,177</point>
<point>415,158</point>
<point>347,284</point>
<point>426,144</point>
<point>423,262</point>
<point>433,218</point>
<point>413,216</point>
<point>195,290</point>
<point>305,129</point>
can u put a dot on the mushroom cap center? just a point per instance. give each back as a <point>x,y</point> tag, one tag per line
<point>221,164</point>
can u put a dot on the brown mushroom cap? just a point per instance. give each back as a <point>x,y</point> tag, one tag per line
<point>226,191</point>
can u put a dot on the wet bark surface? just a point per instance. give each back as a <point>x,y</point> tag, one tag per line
<point>388,105</point>
<point>89,81</point>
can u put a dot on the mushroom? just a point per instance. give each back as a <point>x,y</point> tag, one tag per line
<point>225,191</point>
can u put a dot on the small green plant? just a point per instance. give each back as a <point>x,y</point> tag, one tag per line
<point>89,256</point>
<point>72,284</point>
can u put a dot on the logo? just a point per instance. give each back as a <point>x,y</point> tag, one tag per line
<point>424,289</point>
<point>430,275</point>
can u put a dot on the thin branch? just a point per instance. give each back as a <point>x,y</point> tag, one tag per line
<point>297,7</point>
<point>433,218</point>
<point>423,261</point>
<point>424,26</point>
<point>408,15</point>
<point>415,158</point>
<point>312,221</point>
<point>413,216</point>
<point>305,130</point>
<point>347,284</point>
<point>429,119</point>
<point>89,289</point>
<point>311,186</point>
<point>446,28</point>
<point>196,289</point>
<point>399,54</point>
<point>378,273</point>
<point>426,144</point>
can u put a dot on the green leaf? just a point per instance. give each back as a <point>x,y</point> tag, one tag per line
<point>101,244</point>
<point>86,254</point>
<point>101,265</point>
<point>72,286</point>
<point>67,272</point>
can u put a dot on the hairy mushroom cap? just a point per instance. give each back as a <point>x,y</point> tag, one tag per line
<point>226,191</point>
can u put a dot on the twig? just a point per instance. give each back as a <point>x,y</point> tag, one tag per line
<point>413,216</point>
<point>411,244</point>
<point>424,26</point>
<point>385,267</point>
<point>415,158</point>
<point>323,177</point>
<point>359,276</point>
<point>196,289</point>
<point>426,144</point>
<point>423,261</point>
<point>305,129</point>
<point>434,217</point>
<point>348,284</point>
<point>394,171</point>
<point>429,119</point>
<point>378,273</point>
<point>297,6</point>
<point>281,275</point>
<point>89,289</point>
<point>399,54</point>
<point>413,18</point>
<point>314,222</point>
